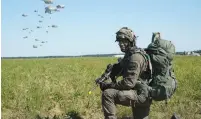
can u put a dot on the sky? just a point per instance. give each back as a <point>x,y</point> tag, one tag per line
<point>89,26</point>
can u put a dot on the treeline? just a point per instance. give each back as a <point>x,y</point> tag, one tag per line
<point>197,51</point>
<point>183,53</point>
<point>92,55</point>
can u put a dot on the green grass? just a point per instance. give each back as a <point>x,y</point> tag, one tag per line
<point>39,88</point>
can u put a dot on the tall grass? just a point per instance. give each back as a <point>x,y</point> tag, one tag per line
<point>41,88</point>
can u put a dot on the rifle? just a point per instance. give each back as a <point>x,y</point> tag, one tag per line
<point>105,76</point>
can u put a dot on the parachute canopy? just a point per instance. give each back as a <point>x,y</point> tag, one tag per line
<point>25,28</point>
<point>51,9</point>
<point>41,19</point>
<point>44,42</point>
<point>24,15</point>
<point>54,26</point>
<point>60,6</point>
<point>25,37</point>
<point>48,1</point>
<point>35,46</point>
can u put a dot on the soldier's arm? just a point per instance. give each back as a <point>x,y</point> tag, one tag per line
<point>116,71</point>
<point>132,73</point>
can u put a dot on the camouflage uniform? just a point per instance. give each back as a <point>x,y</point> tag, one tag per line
<point>128,92</point>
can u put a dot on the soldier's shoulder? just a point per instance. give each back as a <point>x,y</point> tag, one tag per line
<point>138,54</point>
<point>136,57</point>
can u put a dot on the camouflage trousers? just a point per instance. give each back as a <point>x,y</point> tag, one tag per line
<point>111,97</point>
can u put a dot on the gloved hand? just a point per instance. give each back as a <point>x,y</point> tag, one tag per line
<point>142,91</point>
<point>106,85</point>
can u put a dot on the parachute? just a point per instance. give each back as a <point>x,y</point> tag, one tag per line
<point>35,46</point>
<point>38,27</point>
<point>47,10</point>
<point>25,37</point>
<point>54,26</point>
<point>24,15</point>
<point>44,42</point>
<point>60,6</point>
<point>25,29</point>
<point>48,1</point>
<point>51,9</point>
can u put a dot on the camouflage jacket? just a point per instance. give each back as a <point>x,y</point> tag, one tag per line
<point>132,67</point>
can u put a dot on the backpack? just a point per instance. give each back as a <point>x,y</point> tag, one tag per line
<point>160,54</point>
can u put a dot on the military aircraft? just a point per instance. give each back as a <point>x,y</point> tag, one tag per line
<point>35,10</point>
<point>40,21</point>
<point>51,9</point>
<point>36,40</point>
<point>60,6</point>
<point>48,1</point>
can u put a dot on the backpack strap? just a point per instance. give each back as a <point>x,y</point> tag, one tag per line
<point>147,60</point>
<point>168,71</point>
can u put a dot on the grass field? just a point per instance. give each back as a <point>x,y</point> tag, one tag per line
<point>41,88</point>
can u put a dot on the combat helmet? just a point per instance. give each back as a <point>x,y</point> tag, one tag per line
<point>125,33</point>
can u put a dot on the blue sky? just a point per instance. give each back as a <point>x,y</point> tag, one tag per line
<point>89,26</point>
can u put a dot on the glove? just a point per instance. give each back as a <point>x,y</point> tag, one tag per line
<point>106,85</point>
<point>142,91</point>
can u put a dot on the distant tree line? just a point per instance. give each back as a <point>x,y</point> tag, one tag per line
<point>92,55</point>
<point>183,53</point>
<point>32,57</point>
<point>197,51</point>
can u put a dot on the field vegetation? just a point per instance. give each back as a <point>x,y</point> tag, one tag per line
<point>58,88</point>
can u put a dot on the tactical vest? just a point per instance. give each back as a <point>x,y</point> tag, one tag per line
<point>144,74</point>
<point>146,71</point>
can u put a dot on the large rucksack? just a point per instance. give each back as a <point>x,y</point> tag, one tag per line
<point>160,54</point>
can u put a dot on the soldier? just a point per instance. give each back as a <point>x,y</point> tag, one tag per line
<point>132,90</point>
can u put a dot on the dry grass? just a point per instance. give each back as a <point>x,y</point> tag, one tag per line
<point>57,88</point>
